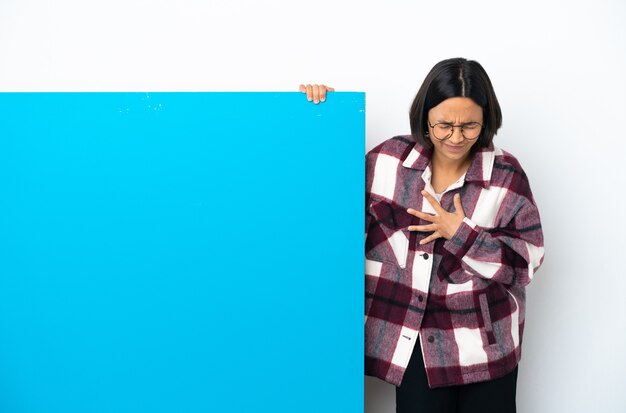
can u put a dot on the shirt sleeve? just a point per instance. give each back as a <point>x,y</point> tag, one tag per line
<point>510,253</point>
<point>369,174</point>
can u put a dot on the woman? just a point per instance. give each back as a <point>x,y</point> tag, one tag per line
<point>453,238</point>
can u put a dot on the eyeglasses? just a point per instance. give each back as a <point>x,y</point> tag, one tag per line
<point>443,131</point>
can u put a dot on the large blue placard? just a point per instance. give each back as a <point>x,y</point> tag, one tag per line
<point>181,252</point>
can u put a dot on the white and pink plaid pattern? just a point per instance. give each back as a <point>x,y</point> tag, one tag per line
<point>463,298</point>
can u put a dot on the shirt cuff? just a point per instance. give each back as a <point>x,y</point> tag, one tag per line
<point>463,238</point>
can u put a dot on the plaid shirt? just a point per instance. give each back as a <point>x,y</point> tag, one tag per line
<point>463,298</point>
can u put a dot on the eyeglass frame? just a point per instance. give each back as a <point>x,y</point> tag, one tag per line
<point>455,126</point>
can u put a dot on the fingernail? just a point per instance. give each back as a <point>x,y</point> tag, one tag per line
<point>323,99</point>
<point>317,101</point>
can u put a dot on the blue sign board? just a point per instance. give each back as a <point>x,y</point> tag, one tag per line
<point>181,252</point>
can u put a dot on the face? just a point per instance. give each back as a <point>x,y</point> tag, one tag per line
<point>455,111</point>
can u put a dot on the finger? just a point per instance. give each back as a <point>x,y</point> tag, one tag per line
<point>302,88</point>
<point>309,93</point>
<point>457,204</point>
<point>430,238</point>
<point>432,201</point>
<point>323,92</point>
<point>316,94</point>
<point>422,215</point>
<point>422,228</point>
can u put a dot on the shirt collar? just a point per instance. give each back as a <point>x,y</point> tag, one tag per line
<point>479,171</point>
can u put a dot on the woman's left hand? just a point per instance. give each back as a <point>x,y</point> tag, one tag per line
<point>443,223</point>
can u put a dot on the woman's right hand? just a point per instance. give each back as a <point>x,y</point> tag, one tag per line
<point>316,93</point>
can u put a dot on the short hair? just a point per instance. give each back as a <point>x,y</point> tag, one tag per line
<point>457,77</point>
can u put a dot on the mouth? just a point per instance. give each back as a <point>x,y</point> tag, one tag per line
<point>455,148</point>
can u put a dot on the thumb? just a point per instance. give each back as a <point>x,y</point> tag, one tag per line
<point>457,204</point>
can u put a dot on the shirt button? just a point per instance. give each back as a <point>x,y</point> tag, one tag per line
<point>420,298</point>
<point>431,339</point>
<point>425,256</point>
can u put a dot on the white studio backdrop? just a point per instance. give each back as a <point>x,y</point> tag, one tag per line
<point>558,68</point>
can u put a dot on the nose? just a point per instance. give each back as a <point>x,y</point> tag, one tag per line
<point>457,135</point>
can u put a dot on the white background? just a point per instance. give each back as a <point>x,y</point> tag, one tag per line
<point>558,67</point>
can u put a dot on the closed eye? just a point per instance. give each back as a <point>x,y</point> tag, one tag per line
<point>471,125</point>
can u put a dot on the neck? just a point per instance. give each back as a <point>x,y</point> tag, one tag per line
<point>447,171</point>
<point>451,166</point>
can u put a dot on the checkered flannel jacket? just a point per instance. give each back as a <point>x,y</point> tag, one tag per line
<point>463,298</point>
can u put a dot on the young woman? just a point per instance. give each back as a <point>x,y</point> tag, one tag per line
<point>453,238</point>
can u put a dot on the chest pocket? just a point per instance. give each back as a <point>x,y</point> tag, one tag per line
<point>387,236</point>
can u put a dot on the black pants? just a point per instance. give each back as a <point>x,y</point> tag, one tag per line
<point>414,395</point>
